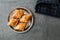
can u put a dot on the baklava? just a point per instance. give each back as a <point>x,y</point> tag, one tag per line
<point>26,18</point>
<point>18,13</point>
<point>20,26</point>
<point>13,22</point>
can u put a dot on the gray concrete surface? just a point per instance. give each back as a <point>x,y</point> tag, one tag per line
<point>45,27</point>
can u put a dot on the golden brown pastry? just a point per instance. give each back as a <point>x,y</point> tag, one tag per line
<point>12,22</point>
<point>26,18</point>
<point>18,13</point>
<point>20,26</point>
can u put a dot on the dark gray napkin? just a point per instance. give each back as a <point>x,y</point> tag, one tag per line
<point>48,7</point>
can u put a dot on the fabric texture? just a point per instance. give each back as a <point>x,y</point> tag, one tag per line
<point>48,7</point>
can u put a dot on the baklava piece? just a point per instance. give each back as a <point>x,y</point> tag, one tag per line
<point>26,18</point>
<point>12,22</point>
<point>20,26</point>
<point>18,13</point>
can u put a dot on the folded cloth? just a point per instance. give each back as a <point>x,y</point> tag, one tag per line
<point>48,7</point>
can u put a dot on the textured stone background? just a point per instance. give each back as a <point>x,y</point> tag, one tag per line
<point>45,27</point>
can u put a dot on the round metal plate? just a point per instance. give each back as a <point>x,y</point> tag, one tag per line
<point>29,24</point>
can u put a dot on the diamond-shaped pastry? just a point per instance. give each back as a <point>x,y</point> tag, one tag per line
<point>18,13</point>
<point>12,22</point>
<point>20,26</point>
<point>26,18</point>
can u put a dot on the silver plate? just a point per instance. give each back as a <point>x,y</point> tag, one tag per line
<point>30,23</point>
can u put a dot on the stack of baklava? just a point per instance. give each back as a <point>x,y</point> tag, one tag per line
<point>19,19</point>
